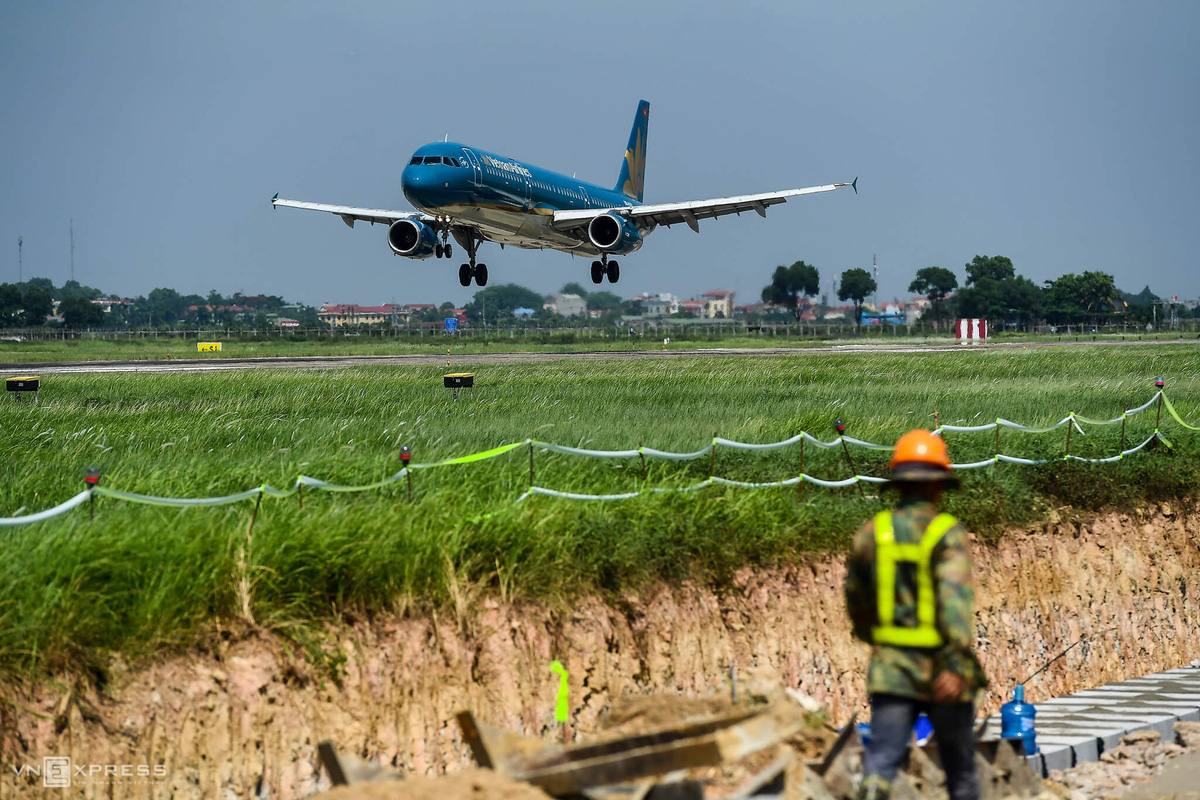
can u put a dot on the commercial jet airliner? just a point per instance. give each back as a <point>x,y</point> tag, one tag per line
<point>477,196</point>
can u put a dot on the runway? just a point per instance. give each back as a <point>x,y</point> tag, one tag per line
<point>433,359</point>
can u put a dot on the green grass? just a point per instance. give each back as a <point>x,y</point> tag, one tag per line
<point>142,580</point>
<point>85,346</point>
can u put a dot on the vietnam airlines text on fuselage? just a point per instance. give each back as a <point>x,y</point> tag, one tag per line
<point>508,200</point>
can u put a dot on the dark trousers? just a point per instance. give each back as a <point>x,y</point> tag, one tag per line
<point>892,719</point>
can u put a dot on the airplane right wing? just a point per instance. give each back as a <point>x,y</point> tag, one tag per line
<point>692,211</point>
<point>349,214</point>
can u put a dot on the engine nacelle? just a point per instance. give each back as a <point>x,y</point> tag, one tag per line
<point>411,238</point>
<point>613,234</point>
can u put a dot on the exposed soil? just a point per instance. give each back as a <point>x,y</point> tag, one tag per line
<point>246,722</point>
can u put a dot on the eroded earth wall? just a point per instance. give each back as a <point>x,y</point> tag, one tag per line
<point>246,723</point>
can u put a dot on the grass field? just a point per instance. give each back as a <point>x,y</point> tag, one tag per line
<point>89,347</point>
<point>141,580</point>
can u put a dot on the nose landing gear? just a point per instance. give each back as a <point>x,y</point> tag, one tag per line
<point>603,268</point>
<point>472,270</point>
<point>443,249</point>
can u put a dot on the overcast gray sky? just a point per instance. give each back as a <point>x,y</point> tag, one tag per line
<point>1060,134</point>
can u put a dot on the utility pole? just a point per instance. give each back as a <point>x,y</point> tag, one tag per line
<point>20,258</point>
<point>72,249</point>
<point>875,275</point>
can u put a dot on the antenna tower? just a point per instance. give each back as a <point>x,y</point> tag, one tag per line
<point>72,249</point>
<point>20,258</point>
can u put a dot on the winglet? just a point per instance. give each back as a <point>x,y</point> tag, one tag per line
<point>853,184</point>
<point>273,199</point>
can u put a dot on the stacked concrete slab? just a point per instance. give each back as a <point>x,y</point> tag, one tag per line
<point>1080,727</point>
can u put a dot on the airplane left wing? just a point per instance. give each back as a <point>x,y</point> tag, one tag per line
<point>690,212</point>
<point>349,214</point>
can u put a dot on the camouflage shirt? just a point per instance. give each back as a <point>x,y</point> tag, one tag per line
<point>909,671</point>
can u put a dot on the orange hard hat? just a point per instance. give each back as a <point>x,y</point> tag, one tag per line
<point>920,455</point>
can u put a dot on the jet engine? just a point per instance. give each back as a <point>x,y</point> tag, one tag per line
<point>411,238</point>
<point>613,234</point>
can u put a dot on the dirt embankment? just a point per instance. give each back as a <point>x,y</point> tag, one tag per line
<point>247,724</point>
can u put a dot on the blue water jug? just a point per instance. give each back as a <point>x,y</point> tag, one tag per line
<point>1016,721</point>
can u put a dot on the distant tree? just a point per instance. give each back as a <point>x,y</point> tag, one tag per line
<point>998,268</point>
<point>166,305</point>
<point>75,289</point>
<point>308,317</point>
<point>501,300</point>
<point>935,283</point>
<point>78,312</point>
<point>37,304</point>
<point>1072,298</point>
<point>215,298</point>
<point>11,303</point>
<point>985,299</point>
<point>603,301</point>
<point>446,306</point>
<point>789,284</point>
<point>574,288</point>
<point>856,285</point>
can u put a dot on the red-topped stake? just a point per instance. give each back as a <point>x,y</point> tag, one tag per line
<point>91,479</point>
<point>840,427</point>
<point>405,457</point>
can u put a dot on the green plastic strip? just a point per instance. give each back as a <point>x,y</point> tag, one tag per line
<point>495,451</point>
<point>562,708</point>
<point>1175,414</point>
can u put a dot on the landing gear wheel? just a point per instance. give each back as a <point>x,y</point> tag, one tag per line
<point>481,275</point>
<point>614,272</point>
<point>464,274</point>
<point>597,272</point>
<point>438,250</point>
<point>448,250</point>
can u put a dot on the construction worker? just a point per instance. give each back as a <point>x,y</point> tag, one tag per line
<point>910,595</point>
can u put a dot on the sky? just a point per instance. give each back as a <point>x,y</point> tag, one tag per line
<point>1062,135</point>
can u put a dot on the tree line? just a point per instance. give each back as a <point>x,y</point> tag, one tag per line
<point>993,291</point>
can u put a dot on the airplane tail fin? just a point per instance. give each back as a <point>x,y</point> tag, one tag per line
<point>632,181</point>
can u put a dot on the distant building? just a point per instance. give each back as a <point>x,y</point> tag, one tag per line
<point>523,312</point>
<point>340,314</point>
<point>663,304</point>
<point>691,308</point>
<point>718,303</point>
<point>107,304</point>
<point>566,305</point>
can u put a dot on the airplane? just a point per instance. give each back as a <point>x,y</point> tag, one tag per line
<point>477,196</point>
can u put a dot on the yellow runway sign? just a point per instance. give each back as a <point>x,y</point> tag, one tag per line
<point>208,347</point>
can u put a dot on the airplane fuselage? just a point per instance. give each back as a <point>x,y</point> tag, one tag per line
<point>509,201</point>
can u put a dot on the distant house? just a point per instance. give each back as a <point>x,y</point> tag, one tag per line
<point>657,305</point>
<point>566,305</point>
<point>691,308</point>
<point>718,303</point>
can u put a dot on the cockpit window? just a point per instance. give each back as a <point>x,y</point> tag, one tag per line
<point>415,160</point>
<point>448,161</point>
<point>433,159</point>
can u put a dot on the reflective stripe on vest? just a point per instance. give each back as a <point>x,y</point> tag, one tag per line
<point>887,554</point>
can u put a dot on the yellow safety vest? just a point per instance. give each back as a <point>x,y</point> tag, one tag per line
<point>887,554</point>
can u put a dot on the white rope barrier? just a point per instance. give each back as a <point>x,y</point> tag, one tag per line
<point>316,483</point>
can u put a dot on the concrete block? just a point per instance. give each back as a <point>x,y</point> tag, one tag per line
<point>1036,764</point>
<point>1055,756</point>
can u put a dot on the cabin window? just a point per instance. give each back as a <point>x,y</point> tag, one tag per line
<point>415,160</point>
<point>433,159</point>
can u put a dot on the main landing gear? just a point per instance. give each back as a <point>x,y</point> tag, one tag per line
<point>472,270</point>
<point>603,268</point>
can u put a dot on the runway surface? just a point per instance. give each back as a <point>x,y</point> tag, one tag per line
<point>431,359</point>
